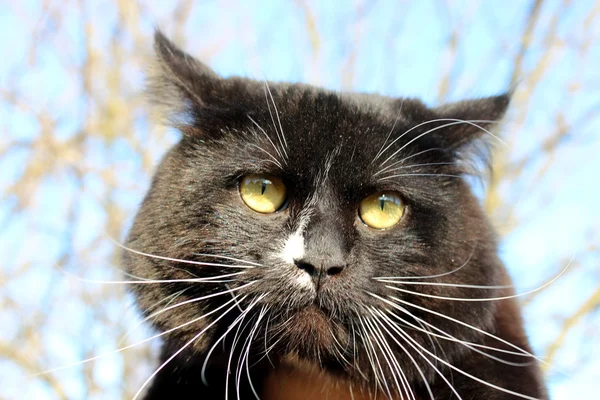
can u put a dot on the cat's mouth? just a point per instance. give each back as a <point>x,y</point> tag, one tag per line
<point>312,317</point>
<point>310,332</point>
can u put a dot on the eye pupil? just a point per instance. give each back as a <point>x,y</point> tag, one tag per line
<point>263,187</point>
<point>382,202</point>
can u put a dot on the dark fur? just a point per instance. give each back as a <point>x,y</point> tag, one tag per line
<point>194,207</point>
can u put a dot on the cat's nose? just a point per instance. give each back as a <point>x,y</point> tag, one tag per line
<point>320,270</point>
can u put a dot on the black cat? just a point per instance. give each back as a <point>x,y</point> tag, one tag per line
<point>324,241</point>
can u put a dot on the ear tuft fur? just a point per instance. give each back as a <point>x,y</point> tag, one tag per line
<point>470,141</point>
<point>480,115</point>
<point>177,82</point>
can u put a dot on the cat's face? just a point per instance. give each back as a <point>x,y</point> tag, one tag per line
<point>301,202</point>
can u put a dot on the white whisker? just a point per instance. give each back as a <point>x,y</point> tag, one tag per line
<point>472,346</point>
<point>432,276</point>
<point>422,165</point>
<point>406,158</point>
<point>222,337</point>
<point>141,253</point>
<point>196,299</point>
<point>455,122</point>
<point>398,330</point>
<point>267,136</point>
<point>373,312</point>
<point>272,160</point>
<point>267,91</point>
<point>247,353</point>
<point>456,285</point>
<point>187,344</point>
<point>210,279</point>
<point>339,349</point>
<point>229,258</point>
<point>169,300</point>
<point>431,175</point>
<point>131,345</point>
<point>449,337</point>
<point>391,361</point>
<point>410,339</point>
<point>389,133</point>
<point>453,320</point>
<point>374,360</point>
<point>485,298</point>
<point>278,119</point>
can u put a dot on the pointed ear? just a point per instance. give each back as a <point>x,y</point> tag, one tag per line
<point>178,83</point>
<point>483,113</point>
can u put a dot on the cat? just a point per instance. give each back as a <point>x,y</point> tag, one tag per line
<point>307,243</point>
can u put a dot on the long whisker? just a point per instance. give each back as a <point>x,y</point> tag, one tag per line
<point>273,159</point>
<point>210,279</point>
<point>397,329</point>
<point>407,336</point>
<point>236,338</point>
<point>229,328</point>
<point>391,361</point>
<point>235,341</point>
<point>267,91</point>
<point>267,136</point>
<point>389,133</point>
<point>454,320</point>
<point>430,175</point>
<point>155,336</point>
<point>196,299</point>
<point>141,253</point>
<point>456,122</point>
<point>234,298</point>
<point>373,312</point>
<point>382,170</point>
<point>171,298</point>
<point>408,131</point>
<point>469,345</point>
<point>339,349</point>
<point>247,355</point>
<point>278,119</point>
<point>488,298</point>
<point>265,342</point>
<point>228,258</point>
<point>374,360</point>
<point>457,285</point>
<point>422,165</point>
<point>240,362</point>
<point>447,336</point>
<point>131,345</point>
<point>187,344</point>
<point>436,275</point>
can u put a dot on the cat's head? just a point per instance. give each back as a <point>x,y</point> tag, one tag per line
<point>307,207</point>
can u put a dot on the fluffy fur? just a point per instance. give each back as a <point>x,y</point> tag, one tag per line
<point>322,303</point>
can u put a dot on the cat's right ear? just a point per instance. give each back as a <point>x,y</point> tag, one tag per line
<point>178,83</point>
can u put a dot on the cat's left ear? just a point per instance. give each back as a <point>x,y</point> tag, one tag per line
<point>469,120</point>
<point>178,83</point>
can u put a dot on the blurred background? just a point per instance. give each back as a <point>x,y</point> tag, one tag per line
<point>78,148</point>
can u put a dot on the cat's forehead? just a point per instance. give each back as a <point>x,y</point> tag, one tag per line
<point>323,133</point>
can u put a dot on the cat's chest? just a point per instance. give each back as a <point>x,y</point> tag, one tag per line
<point>308,383</point>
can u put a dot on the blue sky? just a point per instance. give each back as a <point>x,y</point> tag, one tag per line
<point>396,48</point>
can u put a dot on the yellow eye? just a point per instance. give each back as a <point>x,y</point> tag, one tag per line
<point>263,193</point>
<point>381,210</point>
